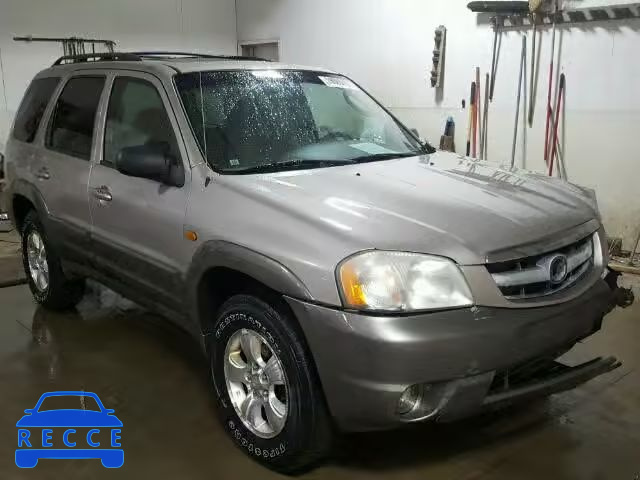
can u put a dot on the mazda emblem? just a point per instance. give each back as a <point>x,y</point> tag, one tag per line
<point>558,269</point>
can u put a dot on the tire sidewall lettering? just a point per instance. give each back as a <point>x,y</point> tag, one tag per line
<point>251,447</point>
<point>254,324</point>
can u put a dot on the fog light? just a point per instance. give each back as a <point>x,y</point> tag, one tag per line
<point>409,399</point>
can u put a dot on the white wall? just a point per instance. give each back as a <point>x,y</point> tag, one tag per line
<point>386,45</point>
<point>192,25</point>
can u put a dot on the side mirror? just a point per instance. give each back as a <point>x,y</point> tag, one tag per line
<point>415,132</point>
<point>109,411</point>
<point>29,411</point>
<point>150,161</point>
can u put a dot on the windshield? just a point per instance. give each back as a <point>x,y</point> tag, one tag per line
<point>270,120</point>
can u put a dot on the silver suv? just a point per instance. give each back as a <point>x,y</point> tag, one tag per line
<point>339,273</point>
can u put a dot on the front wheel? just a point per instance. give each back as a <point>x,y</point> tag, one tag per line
<point>269,397</point>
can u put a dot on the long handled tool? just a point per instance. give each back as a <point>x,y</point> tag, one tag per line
<point>559,106</point>
<point>478,132</point>
<point>534,6</point>
<point>515,128</point>
<point>485,120</point>
<point>524,102</point>
<point>549,107</point>
<point>470,127</point>
<point>499,8</point>
<point>533,70</point>
<point>561,166</point>
<point>493,58</point>
<point>474,119</point>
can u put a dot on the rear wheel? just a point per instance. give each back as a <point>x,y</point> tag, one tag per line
<point>268,395</point>
<point>48,284</point>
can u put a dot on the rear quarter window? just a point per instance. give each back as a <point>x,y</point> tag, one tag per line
<point>32,108</point>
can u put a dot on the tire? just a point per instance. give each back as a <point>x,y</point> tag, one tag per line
<point>59,292</point>
<point>306,435</point>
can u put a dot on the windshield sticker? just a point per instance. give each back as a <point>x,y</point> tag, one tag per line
<point>267,74</point>
<point>371,148</point>
<point>338,82</point>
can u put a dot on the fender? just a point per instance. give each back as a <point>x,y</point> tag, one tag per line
<point>30,192</point>
<point>219,253</point>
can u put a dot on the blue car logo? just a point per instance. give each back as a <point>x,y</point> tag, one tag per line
<point>91,431</point>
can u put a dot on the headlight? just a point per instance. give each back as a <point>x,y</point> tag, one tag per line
<point>401,282</point>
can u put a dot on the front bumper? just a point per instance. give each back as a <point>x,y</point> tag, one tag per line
<point>365,362</point>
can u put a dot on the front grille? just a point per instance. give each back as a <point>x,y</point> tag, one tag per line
<point>544,274</point>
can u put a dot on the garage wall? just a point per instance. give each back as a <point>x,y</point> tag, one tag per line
<point>386,46</point>
<point>199,25</point>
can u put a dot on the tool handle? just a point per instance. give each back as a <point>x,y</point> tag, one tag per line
<point>549,113</point>
<point>471,103</point>
<point>549,107</point>
<point>477,125</point>
<point>557,120</point>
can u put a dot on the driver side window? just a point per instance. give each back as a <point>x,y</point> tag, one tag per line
<point>136,116</point>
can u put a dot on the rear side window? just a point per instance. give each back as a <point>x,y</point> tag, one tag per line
<point>32,108</point>
<point>73,120</point>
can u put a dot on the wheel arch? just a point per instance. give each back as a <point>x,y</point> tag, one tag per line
<point>22,197</point>
<point>222,269</point>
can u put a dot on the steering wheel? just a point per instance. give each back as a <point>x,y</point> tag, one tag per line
<point>334,135</point>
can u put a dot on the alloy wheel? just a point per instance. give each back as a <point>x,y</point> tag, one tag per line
<point>37,259</point>
<point>256,383</point>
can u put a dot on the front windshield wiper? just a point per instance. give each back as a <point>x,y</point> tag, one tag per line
<point>286,165</point>
<point>305,164</point>
<point>383,156</point>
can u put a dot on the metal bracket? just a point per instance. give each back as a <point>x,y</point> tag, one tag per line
<point>571,16</point>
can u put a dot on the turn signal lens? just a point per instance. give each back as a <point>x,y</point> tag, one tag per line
<point>191,235</point>
<point>354,295</point>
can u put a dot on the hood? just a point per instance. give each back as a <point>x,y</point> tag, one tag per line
<point>442,204</point>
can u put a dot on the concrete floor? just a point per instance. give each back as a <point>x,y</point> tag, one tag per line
<point>148,372</point>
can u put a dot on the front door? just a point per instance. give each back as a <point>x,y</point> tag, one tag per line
<point>137,229</point>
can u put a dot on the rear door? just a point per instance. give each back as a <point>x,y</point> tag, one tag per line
<point>137,229</point>
<point>62,168</point>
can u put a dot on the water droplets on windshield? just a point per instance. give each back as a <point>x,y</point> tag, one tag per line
<point>248,119</point>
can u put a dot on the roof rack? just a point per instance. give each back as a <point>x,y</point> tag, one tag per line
<point>139,56</point>
<point>97,57</point>
<point>173,55</point>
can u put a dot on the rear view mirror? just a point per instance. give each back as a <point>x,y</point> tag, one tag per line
<point>150,161</point>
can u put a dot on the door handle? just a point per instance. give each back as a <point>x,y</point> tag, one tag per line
<point>103,193</point>
<point>43,174</point>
